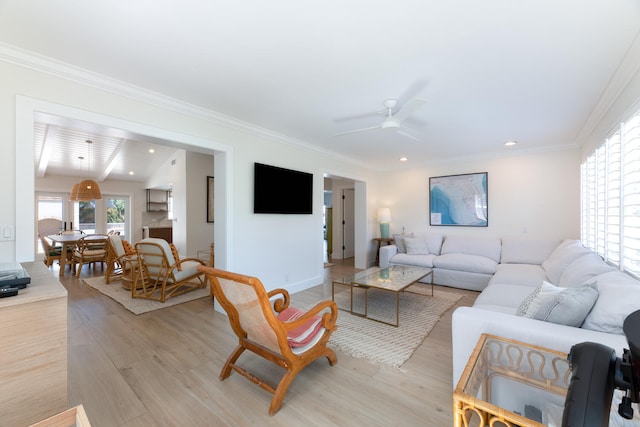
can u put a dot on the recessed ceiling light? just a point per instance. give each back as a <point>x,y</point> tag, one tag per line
<point>151,150</point>
<point>403,159</point>
<point>510,143</point>
<point>131,173</point>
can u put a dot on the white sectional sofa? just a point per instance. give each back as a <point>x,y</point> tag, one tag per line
<point>457,261</point>
<point>507,305</point>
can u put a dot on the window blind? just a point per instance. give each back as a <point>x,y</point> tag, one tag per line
<point>610,197</point>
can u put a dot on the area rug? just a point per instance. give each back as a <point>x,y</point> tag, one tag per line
<point>384,344</point>
<point>137,306</point>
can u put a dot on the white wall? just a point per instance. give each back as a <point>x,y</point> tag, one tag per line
<point>282,250</point>
<point>533,195</point>
<point>200,233</point>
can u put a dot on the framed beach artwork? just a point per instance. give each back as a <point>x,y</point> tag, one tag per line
<point>459,200</point>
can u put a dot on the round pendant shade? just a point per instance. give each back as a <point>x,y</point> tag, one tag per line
<point>88,190</point>
<point>73,196</point>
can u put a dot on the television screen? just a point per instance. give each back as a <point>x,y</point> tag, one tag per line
<point>281,191</point>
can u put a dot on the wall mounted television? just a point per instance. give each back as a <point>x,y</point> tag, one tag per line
<point>281,191</point>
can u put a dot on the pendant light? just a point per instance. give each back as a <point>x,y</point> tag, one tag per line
<point>88,189</point>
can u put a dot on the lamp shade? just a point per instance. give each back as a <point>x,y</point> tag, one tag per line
<point>384,215</point>
<point>73,196</point>
<point>88,190</point>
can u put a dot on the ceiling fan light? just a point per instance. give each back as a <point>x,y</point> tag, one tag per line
<point>88,190</point>
<point>389,124</point>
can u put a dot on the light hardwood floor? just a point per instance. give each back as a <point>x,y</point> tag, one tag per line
<point>161,369</point>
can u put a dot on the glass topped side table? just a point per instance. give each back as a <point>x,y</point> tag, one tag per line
<point>511,383</point>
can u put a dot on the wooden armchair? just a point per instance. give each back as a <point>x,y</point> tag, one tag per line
<point>117,250</point>
<point>89,249</point>
<point>284,335</point>
<point>163,274</point>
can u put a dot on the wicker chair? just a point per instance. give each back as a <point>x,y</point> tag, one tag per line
<point>51,253</point>
<point>284,335</point>
<point>117,250</point>
<point>163,274</point>
<point>89,250</point>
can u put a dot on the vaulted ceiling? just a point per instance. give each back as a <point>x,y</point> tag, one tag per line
<point>490,71</point>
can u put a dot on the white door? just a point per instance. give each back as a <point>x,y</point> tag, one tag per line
<point>348,223</point>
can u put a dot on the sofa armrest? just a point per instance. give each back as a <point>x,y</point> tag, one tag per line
<point>468,323</point>
<point>386,253</point>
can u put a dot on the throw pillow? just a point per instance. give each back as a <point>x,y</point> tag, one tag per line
<point>565,306</point>
<point>416,246</point>
<point>128,249</point>
<point>176,256</point>
<point>398,239</point>
<point>304,334</point>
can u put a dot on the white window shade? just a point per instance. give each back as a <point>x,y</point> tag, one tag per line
<point>610,197</point>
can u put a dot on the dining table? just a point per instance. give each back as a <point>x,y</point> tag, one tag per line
<point>68,241</point>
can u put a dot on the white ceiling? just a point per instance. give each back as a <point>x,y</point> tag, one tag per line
<point>489,71</point>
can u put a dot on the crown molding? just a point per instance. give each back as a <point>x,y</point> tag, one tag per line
<point>628,68</point>
<point>27,59</point>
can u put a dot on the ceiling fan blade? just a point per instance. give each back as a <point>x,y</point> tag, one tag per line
<point>357,130</point>
<point>408,135</point>
<point>357,117</point>
<point>407,109</point>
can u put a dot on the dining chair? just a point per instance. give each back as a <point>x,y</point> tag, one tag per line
<point>89,249</point>
<point>51,252</point>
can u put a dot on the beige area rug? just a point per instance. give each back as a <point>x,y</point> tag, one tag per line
<point>137,306</point>
<point>384,344</point>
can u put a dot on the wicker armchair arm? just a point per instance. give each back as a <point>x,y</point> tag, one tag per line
<point>329,318</point>
<point>280,303</point>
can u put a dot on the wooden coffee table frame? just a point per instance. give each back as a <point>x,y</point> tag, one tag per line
<point>356,281</point>
<point>533,366</point>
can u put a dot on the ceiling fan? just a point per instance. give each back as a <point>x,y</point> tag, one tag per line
<point>394,120</point>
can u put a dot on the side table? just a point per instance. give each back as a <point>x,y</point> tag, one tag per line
<point>511,383</point>
<point>379,241</point>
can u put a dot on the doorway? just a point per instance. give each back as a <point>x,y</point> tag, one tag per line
<point>26,110</point>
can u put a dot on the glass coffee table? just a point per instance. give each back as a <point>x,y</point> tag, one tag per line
<point>511,383</point>
<point>392,279</point>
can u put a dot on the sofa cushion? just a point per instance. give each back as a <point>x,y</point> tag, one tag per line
<point>565,306</point>
<point>416,246</point>
<point>527,251</point>
<point>485,247</point>
<point>509,296</point>
<point>583,270</point>
<point>416,260</point>
<point>398,239</point>
<point>522,274</point>
<point>434,242</point>
<point>619,297</point>
<point>562,256</point>
<point>466,262</point>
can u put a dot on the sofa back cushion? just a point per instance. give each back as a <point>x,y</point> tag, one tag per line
<point>486,247</point>
<point>583,270</point>
<point>420,243</point>
<point>567,252</point>
<point>619,297</point>
<point>527,251</point>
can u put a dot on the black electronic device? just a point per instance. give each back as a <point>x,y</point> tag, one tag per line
<point>596,372</point>
<point>8,292</point>
<point>282,191</point>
